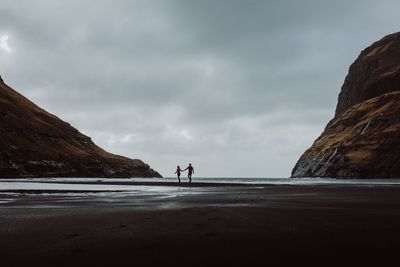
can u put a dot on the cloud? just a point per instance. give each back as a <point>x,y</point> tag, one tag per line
<point>238,87</point>
<point>4,43</point>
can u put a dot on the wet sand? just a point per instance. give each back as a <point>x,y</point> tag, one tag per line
<point>225,225</point>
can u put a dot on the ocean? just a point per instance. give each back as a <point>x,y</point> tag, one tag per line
<point>66,185</point>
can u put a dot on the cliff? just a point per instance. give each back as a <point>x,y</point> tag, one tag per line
<point>363,139</point>
<point>375,72</point>
<point>35,143</point>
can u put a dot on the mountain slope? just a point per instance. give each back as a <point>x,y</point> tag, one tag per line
<point>35,143</point>
<point>362,142</point>
<point>375,72</point>
<point>363,139</point>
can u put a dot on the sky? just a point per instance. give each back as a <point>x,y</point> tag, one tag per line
<point>238,88</point>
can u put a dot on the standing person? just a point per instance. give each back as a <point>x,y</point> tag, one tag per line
<point>190,172</point>
<point>178,173</point>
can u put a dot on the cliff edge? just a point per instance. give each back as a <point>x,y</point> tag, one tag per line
<point>363,139</point>
<point>35,143</point>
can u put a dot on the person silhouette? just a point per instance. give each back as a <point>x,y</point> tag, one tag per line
<point>190,172</point>
<point>178,173</point>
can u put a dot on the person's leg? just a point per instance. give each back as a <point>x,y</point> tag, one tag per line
<point>179,178</point>
<point>190,177</point>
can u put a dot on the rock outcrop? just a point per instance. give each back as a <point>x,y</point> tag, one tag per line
<point>363,139</point>
<point>375,72</point>
<point>35,143</point>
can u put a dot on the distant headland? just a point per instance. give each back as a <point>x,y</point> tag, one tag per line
<point>363,139</point>
<point>35,143</point>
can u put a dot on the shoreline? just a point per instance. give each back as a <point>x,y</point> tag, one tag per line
<point>338,182</point>
<point>219,226</point>
<point>144,186</point>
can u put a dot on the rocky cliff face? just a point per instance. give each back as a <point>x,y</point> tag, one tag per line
<point>363,139</point>
<point>35,143</point>
<point>375,72</point>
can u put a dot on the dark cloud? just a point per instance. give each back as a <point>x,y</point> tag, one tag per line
<point>236,87</point>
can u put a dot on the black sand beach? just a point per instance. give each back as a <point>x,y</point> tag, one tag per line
<point>225,225</point>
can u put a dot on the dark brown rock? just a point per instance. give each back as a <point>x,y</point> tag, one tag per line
<point>362,142</point>
<point>35,143</point>
<point>375,72</point>
<point>363,139</point>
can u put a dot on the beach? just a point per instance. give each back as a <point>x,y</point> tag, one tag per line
<point>202,225</point>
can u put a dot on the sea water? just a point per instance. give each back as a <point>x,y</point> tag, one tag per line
<point>141,193</point>
<point>134,184</point>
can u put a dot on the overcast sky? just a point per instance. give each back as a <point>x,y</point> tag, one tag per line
<point>238,88</point>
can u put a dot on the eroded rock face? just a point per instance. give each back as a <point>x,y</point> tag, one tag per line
<point>363,139</point>
<point>375,72</point>
<point>362,142</point>
<point>35,143</point>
